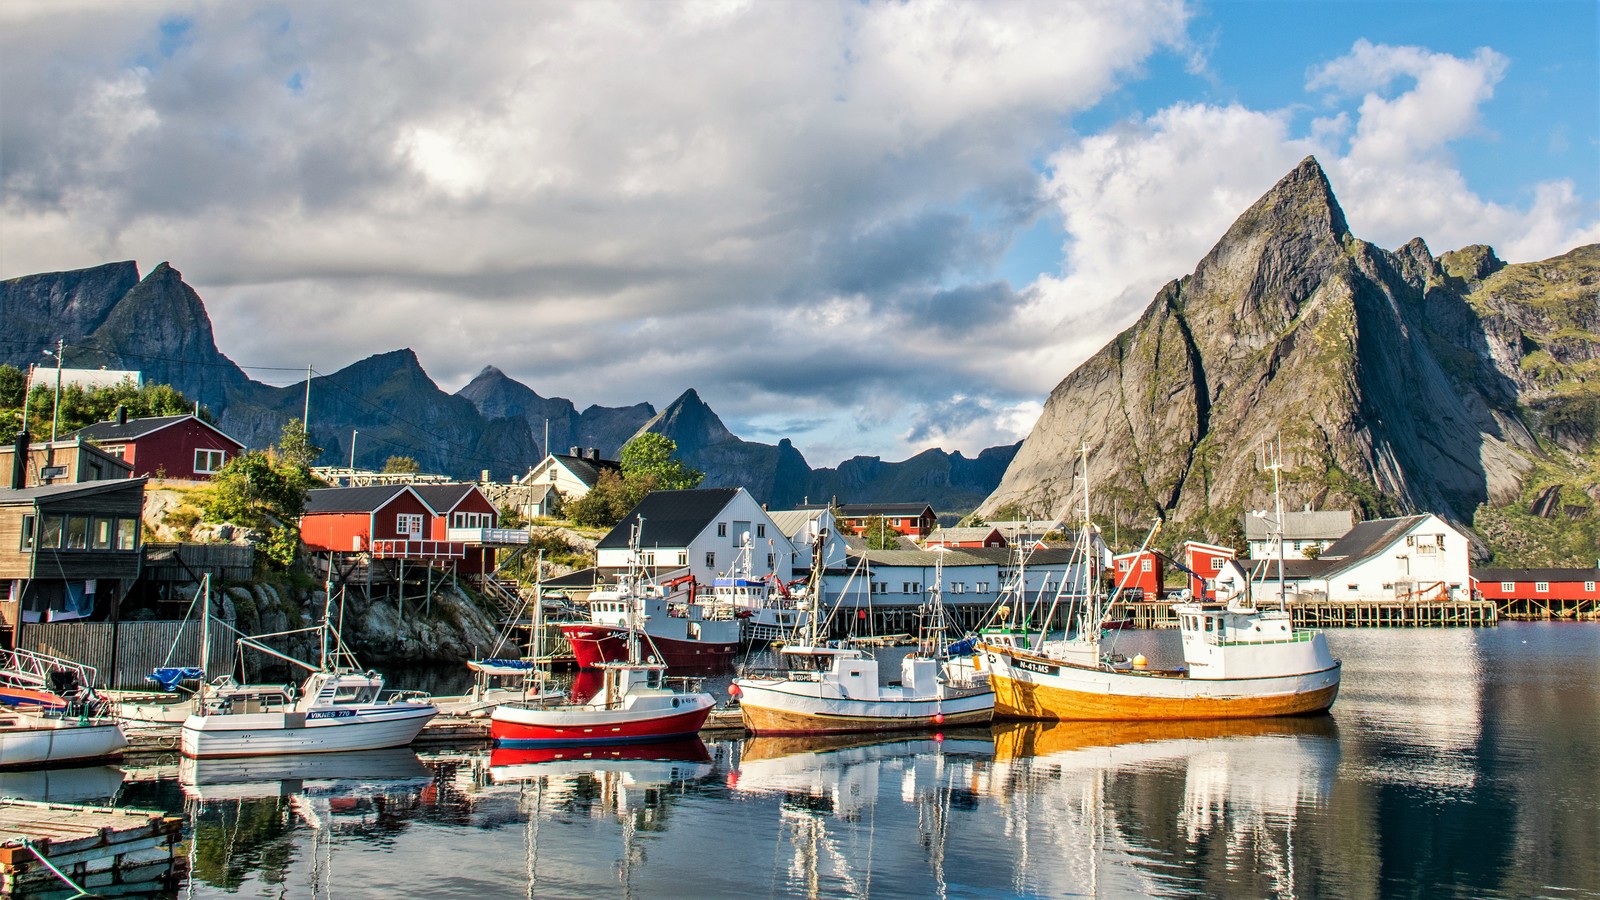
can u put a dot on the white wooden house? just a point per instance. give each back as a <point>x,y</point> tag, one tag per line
<point>704,531</point>
<point>571,475</point>
<point>801,527</point>
<point>1306,533</point>
<point>1417,557</point>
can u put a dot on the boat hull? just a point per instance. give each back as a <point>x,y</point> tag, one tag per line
<point>593,645</point>
<point>772,710</point>
<point>1033,687</point>
<point>264,734</point>
<point>513,726</point>
<point>47,742</point>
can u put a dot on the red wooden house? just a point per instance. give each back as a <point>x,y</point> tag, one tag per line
<point>1570,591</point>
<point>1139,571</point>
<point>184,446</point>
<point>966,538</point>
<point>450,524</point>
<point>916,520</point>
<point>1205,560</point>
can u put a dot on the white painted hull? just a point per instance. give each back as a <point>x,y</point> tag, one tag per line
<point>800,707</point>
<point>33,741</point>
<point>260,734</point>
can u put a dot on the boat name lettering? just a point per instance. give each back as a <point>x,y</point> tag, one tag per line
<point>1038,668</point>
<point>332,714</point>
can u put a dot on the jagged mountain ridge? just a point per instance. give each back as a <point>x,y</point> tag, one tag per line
<point>1394,381</point>
<point>387,405</point>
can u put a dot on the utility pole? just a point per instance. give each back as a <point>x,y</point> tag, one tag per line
<point>353,434</point>
<point>305,418</point>
<point>55,418</point>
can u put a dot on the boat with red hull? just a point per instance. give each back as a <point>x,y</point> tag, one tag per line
<point>672,630</point>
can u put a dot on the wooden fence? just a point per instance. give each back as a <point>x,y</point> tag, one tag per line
<point>186,562</point>
<point>141,646</point>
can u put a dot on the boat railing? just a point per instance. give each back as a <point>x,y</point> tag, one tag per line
<point>1298,636</point>
<point>27,668</point>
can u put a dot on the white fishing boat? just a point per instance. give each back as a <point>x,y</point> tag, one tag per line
<point>830,689</point>
<point>37,737</point>
<point>634,704</point>
<point>337,708</point>
<point>1240,661</point>
<point>768,609</point>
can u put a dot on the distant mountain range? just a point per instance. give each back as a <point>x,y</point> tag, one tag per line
<point>1392,381</point>
<point>111,317</point>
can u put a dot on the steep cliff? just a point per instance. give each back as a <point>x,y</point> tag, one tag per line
<point>1392,381</point>
<point>497,395</point>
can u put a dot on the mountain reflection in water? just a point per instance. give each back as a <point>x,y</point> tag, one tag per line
<point>1455,763</point>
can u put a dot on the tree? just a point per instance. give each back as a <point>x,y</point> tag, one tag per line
<point>650,456</point>
<point>878,535</point>
<point>295,447</point>
<point>612,497</point>
<point>13,384</point>
<point>401,465</point>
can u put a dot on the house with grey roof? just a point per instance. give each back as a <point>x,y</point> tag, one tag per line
<point>569,476</point>
<point>1306,533</point>
<point>707,531</point>
<point>1408,557</point>
<point>801,527</point>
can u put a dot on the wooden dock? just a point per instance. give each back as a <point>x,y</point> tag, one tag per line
<point>100,849</point>
<point>1342,613</point>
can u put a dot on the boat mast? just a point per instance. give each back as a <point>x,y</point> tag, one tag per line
<point>205,631</point>
<point>632,624</point>
<point>1277,500</point>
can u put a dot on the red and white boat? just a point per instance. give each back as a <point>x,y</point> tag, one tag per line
<point>672,629</point>
<point>634,703</point>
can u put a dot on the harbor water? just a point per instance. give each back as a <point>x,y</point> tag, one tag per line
<point>1456,763</point>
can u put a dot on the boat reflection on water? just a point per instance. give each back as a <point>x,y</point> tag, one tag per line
<point>244,810</point>
<point>830,785</point>
<point>83,784</point>
<point>1144,808</point>
<point>672,760</point>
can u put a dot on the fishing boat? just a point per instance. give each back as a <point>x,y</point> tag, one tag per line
<point>1240,661</point>
<point>32,680</point>
<point>500,679</point>
<point>677,631</point>
<point>76,732</point>
<point>768,608</point>
<point>831,688</point>
<point>337,708</point>
<point>635,703</point>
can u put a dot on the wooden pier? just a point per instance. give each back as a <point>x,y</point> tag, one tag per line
<point>1342,613</point>
<point>60,849</point>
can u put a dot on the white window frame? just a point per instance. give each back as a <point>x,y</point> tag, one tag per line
<point>1588,586</point>
<point>1216,563</point>
<point>403,521</point>
<point>1541,587</point>
<point>1147,565</point>
<point>1508,586</point>
<point>207,453</point>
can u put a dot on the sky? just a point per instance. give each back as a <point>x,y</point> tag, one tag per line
<point>870,227</point>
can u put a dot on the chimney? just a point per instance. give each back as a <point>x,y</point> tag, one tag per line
<point>575,451</point>
<point>19,462</point>
<point>594,453</point>
<point>484,476</point>
<point>122,414</point>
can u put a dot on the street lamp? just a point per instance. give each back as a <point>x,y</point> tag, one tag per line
<point>55,417</point>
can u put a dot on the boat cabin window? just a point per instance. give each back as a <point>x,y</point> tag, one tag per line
<point>653,678</point>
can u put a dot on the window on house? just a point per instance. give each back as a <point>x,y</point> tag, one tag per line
<point>27,531</point>
<point>50,531</point>
<point>1147,565</point>
<point>409,524</point>
<point>1508,586</point>
<point>983,587</point>
<point>772,561</point>
<point>958,587</point>
<point>761,530</point>
<point>683,557</point>
<point>711,559</point>
<point>1542,587</point>
<point>722,529</point>
<point>209,461</point>
<point>1216,564</point>
<point>1588,586</point>
<point>117,450</point>
<point>1352,587</point>
<point>101,532</point>
<point>77,533</point>
<point>127,534</point>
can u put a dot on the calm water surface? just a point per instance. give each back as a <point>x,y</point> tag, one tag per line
<point>1457,763</point>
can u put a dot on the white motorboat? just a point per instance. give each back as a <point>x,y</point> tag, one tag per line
<point>46,737</point>
<point>338,708</point>
<point>830,689</point>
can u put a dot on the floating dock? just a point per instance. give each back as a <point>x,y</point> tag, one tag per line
<point>60,849</point>
<point>1341,613</point>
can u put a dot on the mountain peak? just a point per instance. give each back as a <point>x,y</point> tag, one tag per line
<point>690,423</point>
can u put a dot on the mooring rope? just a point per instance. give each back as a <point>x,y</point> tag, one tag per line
<point>28,845</point>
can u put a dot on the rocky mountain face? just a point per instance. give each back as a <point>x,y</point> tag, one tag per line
<point>780,477</point>
<point>497,395</point>
<point>110,317</point>
<point>1388,381</point>
<point>386,405</point>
